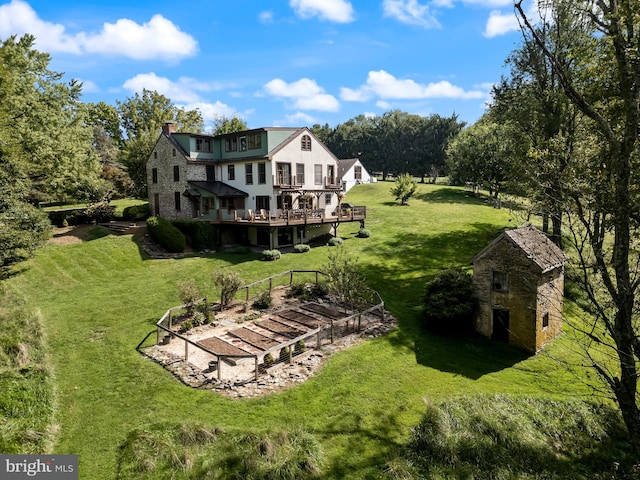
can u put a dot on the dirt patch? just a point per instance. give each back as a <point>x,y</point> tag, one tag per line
<point>71,235</point>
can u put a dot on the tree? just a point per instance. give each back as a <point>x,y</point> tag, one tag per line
<point>435,134</point>
<point>481,154</point>
<point>532,103</point>
<point>403,188</point>
<point>107,141</point>
<point>345,280</point>
<point>44,127</point>
<point>603,83</point>
<point>141,119</point>
<point>222,125</point>
<point>228,282</point>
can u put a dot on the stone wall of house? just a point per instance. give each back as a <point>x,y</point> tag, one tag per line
<point>550,302</point>
<point>164,157</point>
<point>519,299</point>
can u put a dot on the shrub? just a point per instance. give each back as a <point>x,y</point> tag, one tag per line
<point>271,255</point>
<point>166,234</point>
<point>284,354</point>
<point>268,359</point>
<point>186,326</point>
<point>189,293</point>
<point>199,318</point>
<point>364,233</point>
<point>335,241</point>
<point>263,301</point>
<point>301,248</point>
<point>100,212</point>
<point>136,212</point>
<point>71,216</point>
<point>297,290</point>
<point>319,290</point>
<point>449,303</point>
<point>300,347</point>
<point>228,282</point>
<point>202,235</point>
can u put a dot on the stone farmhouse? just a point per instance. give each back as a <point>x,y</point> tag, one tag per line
<point>269,187</point>
<point>352,172</point>
<point>519,281</point>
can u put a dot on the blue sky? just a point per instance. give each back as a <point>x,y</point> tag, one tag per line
<point>278,62</point>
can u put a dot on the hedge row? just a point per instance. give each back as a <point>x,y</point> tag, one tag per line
<point>99,212</point>
<point>202,235</point>
<point>166,234</point>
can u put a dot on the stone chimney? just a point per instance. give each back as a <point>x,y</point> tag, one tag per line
<point>168,128</point>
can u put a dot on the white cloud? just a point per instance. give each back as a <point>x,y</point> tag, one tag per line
<point>211,111</point>
<point>18,18</point>
<point>185,89</point>
<point>410,12</point>
<point>500,23</point>
<point>381,104</point>
<point>266,16</point>
<point>157,39</point>
<point>339,11</point>
<point>300,118</point>
<point>185,92</point>
<point>385,86</point>
<point>491,3</point>
<point>350,95</point>
<point>304,94</point>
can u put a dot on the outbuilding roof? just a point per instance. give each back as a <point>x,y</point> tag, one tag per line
<point>535,244</point>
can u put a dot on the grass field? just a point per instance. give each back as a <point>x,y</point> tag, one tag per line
<point>98,299</point>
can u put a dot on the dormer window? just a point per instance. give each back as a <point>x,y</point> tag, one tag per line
<point>231,144</point>
<point>305,143</point>
<point>203,145</point>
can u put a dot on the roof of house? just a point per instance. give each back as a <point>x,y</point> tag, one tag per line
<point>218,188</point>
<point>344,165</point>
<point>535,244</point>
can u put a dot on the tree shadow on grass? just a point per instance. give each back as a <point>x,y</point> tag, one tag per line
<point>401,284</point>
<point>450,195</point>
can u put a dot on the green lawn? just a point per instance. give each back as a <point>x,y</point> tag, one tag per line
<point>100,298</point>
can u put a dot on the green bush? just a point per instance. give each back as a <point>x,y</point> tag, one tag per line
<point>335,241</point>
<point>202,235</point>
<point>199,318</point>
<point>300,347</point>
<point>301,248</point>
<point>136,212</point>
<point>70,216</point>
<point>228,282</point>
<point>449,303</point>
<point>263,301</point>
<point>297,290</point>
<point>268,359</point>
<point>100,212</point>
<point>284,354</point>
<point>271,255</point>
<point>189,293</point>
<point>364,233</point>
<point>319,290</point>
<point>186,326</point>
<point>166,234</point>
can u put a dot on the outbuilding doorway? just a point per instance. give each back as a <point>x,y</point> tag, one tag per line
<point>500,331</point>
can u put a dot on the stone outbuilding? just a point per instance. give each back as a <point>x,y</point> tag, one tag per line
<point>519,282</point>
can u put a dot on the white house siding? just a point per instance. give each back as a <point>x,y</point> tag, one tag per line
<point>349,177</point>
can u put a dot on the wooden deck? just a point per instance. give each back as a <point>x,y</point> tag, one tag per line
<point>278,218</point>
